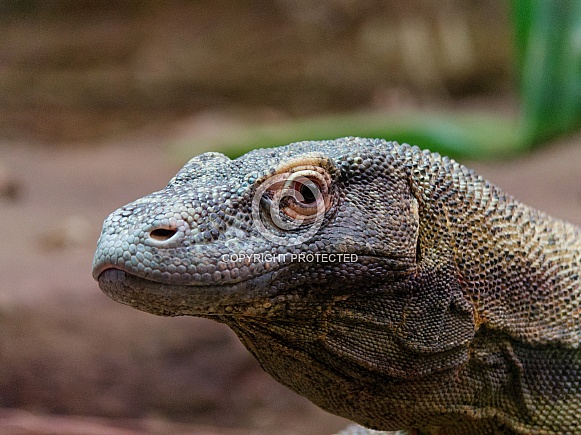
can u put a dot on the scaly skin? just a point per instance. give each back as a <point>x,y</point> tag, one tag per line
<point>458,312</point>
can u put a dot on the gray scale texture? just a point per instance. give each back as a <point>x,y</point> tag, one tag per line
<point>462,313</point>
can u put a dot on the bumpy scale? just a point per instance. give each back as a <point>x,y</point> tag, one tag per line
<point>387,284</point>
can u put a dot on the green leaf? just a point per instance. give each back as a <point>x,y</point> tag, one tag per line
<point>548,57</point>
<point>475,135</point>
<point>548,40</point>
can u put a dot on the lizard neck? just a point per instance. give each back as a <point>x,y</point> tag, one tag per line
<point>523,273</point>
<point>517,266</point>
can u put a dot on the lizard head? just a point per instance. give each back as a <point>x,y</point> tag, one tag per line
<point>247,236</point>
<point>309,252</point>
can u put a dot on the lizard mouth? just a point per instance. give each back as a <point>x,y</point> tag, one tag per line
<point>245,296</point>
<point>111,274</point>
<point>178,300</point>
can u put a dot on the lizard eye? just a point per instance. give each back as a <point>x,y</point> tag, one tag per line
<point>304,196</point>
<point>290,204</point>
<point>308,192</point>
<point>301,195</point>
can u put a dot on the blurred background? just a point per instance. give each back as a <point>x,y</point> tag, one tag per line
<point>86,70</point>
<point>102,102</point>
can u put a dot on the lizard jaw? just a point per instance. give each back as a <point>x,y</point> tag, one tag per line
<point>261,295</point>
<point>240,298</point>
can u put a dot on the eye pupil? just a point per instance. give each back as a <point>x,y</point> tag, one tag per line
<point>307,194</point>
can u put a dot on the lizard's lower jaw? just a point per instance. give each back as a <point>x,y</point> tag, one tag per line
<point>150,296</point>
<point>184,300</point>
<point>125,288</point>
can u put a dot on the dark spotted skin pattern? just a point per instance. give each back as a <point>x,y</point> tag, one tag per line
<point>460,314</point>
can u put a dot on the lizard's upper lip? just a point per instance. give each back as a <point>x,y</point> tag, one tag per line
<point>108,271</point>
<point>100,268</point>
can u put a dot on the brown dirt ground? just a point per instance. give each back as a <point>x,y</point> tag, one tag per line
<point>66,349</point>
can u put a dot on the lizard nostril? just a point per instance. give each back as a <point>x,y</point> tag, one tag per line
<point>162,234</point>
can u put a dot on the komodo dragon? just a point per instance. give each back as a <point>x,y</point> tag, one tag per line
<point>387,284</point>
